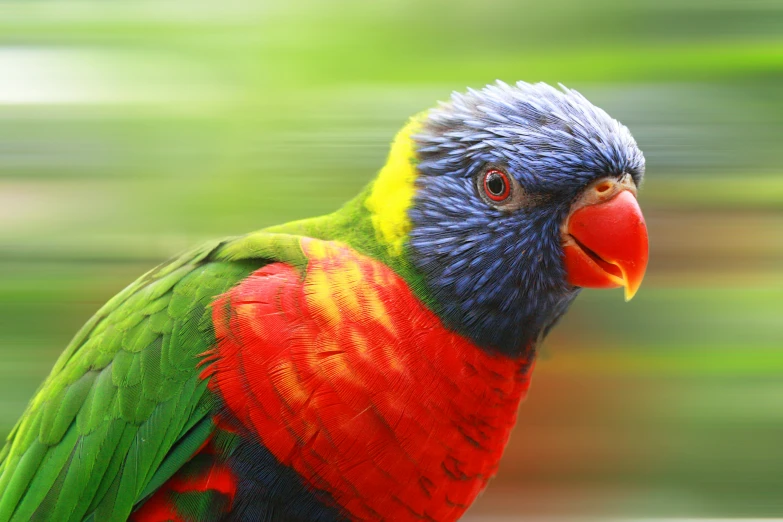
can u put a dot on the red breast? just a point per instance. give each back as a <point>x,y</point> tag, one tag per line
<point>347,378</point>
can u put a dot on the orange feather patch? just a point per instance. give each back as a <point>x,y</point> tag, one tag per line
<point>349,379</point>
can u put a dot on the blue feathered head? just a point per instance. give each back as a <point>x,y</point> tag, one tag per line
<point>499,172</point>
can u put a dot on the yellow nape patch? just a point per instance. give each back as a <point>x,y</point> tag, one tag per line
<point>392,193</point>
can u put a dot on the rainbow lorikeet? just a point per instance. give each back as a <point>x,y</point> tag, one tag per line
<point>365,365</point>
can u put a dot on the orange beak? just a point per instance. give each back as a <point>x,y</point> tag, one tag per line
<point>605,238</point>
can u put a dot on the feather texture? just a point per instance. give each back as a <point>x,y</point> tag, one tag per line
<point>365,365</point>
<point>346,378</point>
<point>120,398</point>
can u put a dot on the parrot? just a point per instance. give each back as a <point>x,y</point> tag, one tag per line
<point>367,364</point>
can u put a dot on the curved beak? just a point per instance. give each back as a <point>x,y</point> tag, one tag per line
<point>605,238</point>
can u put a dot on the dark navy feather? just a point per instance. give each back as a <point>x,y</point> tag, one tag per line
<point>268,490</point>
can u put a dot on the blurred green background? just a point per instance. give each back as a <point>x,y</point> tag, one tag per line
<point>130,131</point>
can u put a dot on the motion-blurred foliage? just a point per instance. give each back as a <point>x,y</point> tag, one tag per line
<point>129,131</point>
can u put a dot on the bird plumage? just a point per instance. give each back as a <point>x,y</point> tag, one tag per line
<point>364,365</point>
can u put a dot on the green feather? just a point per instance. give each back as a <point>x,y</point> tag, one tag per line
<point>179,454</point>
<point>201,506</point>
<point>124,406</point>
<point>38,488</point>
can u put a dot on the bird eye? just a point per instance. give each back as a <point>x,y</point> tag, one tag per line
<point>496,185</point>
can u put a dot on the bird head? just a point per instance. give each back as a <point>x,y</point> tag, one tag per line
<point>507,201</point>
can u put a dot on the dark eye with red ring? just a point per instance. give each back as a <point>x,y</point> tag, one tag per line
<point>496,185</point>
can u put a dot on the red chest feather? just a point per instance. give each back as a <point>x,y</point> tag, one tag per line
<point>347,378</point>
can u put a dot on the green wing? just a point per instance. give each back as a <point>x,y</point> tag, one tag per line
<point>124,407</point>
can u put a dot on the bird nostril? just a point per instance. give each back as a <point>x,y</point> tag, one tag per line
<point>601,188</point>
